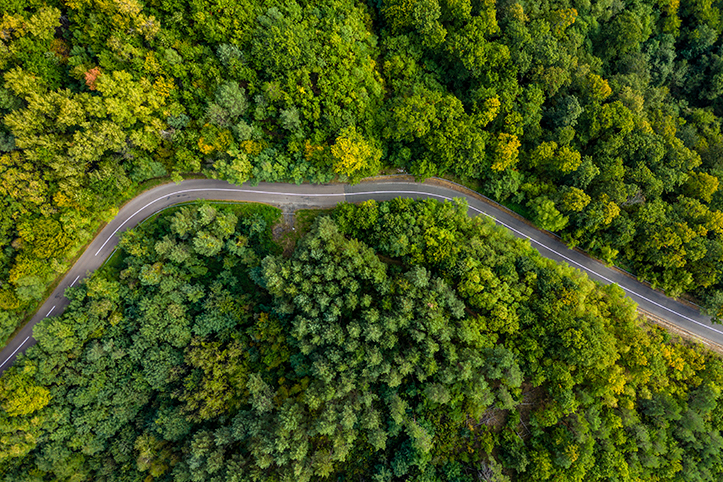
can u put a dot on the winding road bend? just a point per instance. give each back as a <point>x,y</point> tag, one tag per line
<point>290,197</point>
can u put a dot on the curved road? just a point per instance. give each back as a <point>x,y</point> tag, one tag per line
<point>290,197</point>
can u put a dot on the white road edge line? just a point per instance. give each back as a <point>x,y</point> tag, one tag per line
<point>589,270</point>
<point>51,310</point>
<point>13,353</point>
<point>184,191</point>
<point>76,279</point>
<point>367,193</point>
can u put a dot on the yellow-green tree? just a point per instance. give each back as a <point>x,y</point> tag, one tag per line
<point>701,185</point>
<point>353,155</point>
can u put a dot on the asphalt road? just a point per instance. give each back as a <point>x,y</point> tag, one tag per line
<point>290,197</point>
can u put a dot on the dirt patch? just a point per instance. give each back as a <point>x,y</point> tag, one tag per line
<point>292,228</point>
<point>531,399</point>
<point>388,260</point>
<point>279,230</point>
<point>284,234</point>
<point>494,418</point>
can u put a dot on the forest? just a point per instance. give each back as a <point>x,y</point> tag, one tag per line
<point>599,120</point>
<point>393,341</point>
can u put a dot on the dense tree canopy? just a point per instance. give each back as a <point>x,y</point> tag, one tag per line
<point>599,120</point>
<point>396,341</point>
